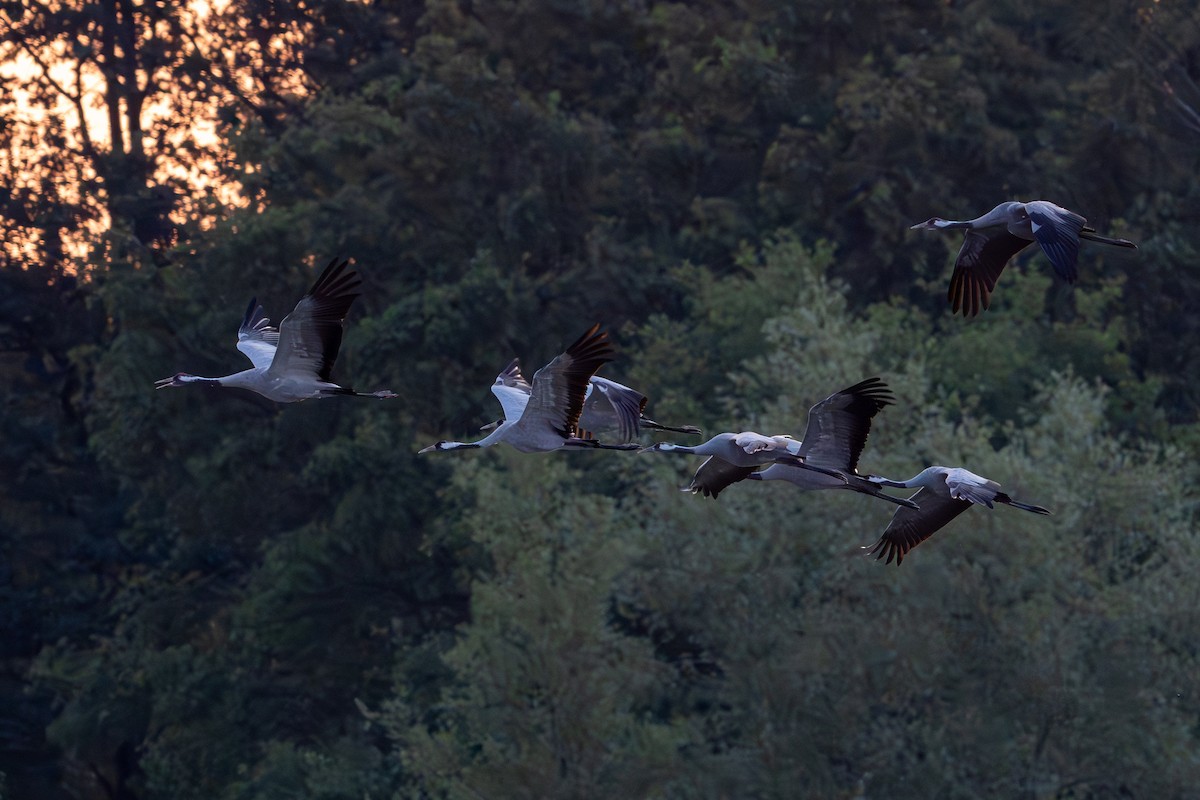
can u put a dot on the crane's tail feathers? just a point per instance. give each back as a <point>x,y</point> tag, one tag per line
<point>1003,498</point>
<point>1095,237</point>
<point>658,426</point>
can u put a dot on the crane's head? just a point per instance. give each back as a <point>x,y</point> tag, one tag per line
<point>658,447</point>
<point>931,224</point>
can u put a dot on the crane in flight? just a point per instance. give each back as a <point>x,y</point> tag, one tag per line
<point>994,238</point>
<point>293,362</point>
<point>548,417</point>
<point>834,437</point>
<point>944,493</point>
<point>608,405</point>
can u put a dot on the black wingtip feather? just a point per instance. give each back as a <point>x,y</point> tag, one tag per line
<point>248,317</point>
<point>335,282</point>
<point>588,353</point>
<point>331,296</point>
<point>883,548</point>
<point>870,396</point>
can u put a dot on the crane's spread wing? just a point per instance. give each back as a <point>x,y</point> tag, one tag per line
<point>511,376</point>
<point>310,336</point>
<point>714,475</point>
<point>1057,231</point>
<point>627,405</point>
<point>558,389</point>
<point>909,526</point>
<point>257,338</point>
<point>838,426</point>
<point>980,261</point>
<point>512,390</point>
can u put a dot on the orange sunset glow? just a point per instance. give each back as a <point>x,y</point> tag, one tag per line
<point>75,98</point>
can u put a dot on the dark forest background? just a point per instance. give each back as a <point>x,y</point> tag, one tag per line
<point>206,596</point>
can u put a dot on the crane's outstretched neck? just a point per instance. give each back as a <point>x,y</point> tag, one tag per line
<point>879,480</point>
<point>444,445</point>
<point>492,438</point>
<point>667,447</point>
<point>183,379</point>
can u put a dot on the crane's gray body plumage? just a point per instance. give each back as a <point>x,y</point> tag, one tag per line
<point>747,450</point>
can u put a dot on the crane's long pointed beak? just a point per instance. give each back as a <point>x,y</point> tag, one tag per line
<point>429,449</point>
<point>165,383</point>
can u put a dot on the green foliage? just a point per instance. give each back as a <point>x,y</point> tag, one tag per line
<point>1006,656</point>
<point>548,700</point>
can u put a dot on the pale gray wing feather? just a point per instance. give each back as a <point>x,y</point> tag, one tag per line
<point>257,338</point>
<point>511,377</point>
<point>1057,231</point>
<point>982,494</point>
<point>626,406</point>
<point>512,390</point>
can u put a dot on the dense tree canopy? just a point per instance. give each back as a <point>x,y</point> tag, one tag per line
<point>208,596</point>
